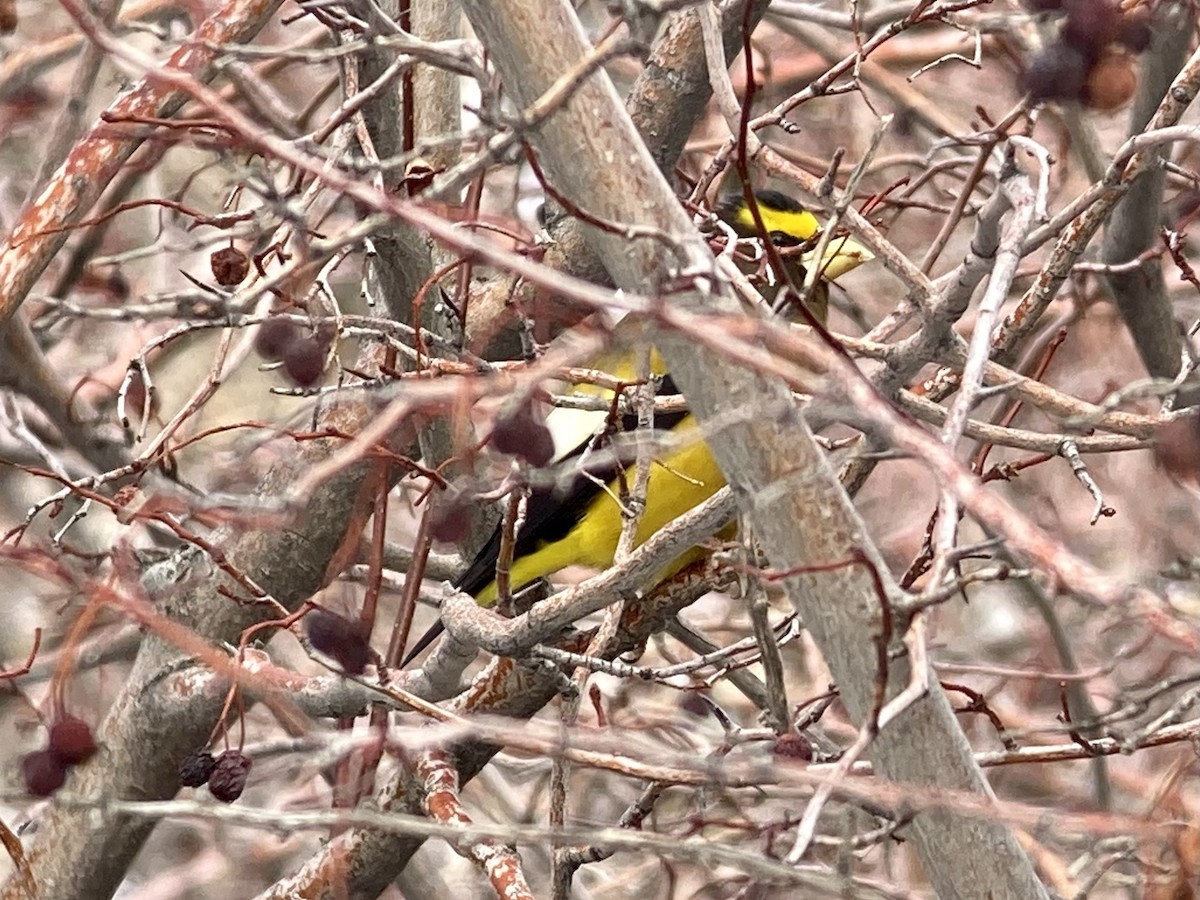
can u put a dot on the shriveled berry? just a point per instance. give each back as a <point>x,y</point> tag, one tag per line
<point>196,768</point>
<point>694,704</point>
<point>228,777</point>
<point>523,435</point>
<point>340,639</point>
<point>793,746</point>
<point>230,266</point>
<point>71,740</point>
<point>1177,448</point>
<point>1057,73</point>
<point>1136,32</point>
<point>274,336</point>
<point>1111,82</point>
<point>304,361</point>
<point>8,16</point>
<point>1091,25</point>
<point>451,520</point>
<point>43,772</point>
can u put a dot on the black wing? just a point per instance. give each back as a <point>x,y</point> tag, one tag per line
<point>552,511</point>
<point>550,514</point>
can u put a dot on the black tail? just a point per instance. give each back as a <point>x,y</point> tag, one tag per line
<point>472,581</point>
<point>424,641</point>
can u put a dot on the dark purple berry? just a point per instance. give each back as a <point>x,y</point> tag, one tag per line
<point>71,740</point>
<point>694,704</point>
<point>44,773</point>
<point>8,16</point>
<point>1057,73</point>
<point>304,361</point>
<point>230,266</point>
<point>1177,448</point>
<point>1091,25</point>
<point>228,777</point>
<point>523,435</point>
<point>1136,34</point>
<point>196,768</point>
<point>793,746</point>
<point>339,638</point>
<point>451,520</point>
<point>1111,82</point>
<point>274,336</point>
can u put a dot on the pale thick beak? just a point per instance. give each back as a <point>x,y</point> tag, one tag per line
<point>841,256</point>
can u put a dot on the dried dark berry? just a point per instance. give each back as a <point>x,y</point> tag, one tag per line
<point>793,746</point>
<point>44,773</point>
<point>8,16</point>
<point>230,266</point>
<point>451,520</point>
<point>1177,448</point>
<point>274,336</point>
<point>196,768</point>
<point>304,361</point>
<point>228,777</point>
<point>523,435</point>
<point>71,740</point>
<point>1111,82</point>
<point>340,639</point>
<point>1091,25</point>
<point>1057,73</point>
<point>693,703</point>
<point>1136,32</point>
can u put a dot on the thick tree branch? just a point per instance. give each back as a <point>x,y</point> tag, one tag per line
<point>778,472</point>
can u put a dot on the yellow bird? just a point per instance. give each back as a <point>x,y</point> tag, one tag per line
<point>581,523</point>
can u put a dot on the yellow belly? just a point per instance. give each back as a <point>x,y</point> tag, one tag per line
<point>685,477</point>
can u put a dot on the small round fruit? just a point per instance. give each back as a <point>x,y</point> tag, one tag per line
<point>230,266</point>
<point>340,639</point>
<point>1136,32</point>
<point>43,772</point>
<point>1059,72</point>
<point>304,361</point>
<point>524,436</point>
<point>228,777</point>
<point>1112,81</point>
<point>196,768</point>
<point>451,520</point>
<point>1177,448</point>
<point>694,704</point>
<point>274,336</point>
<point>71,740</point>
<point>1091,25</point>
<point>794,746</point>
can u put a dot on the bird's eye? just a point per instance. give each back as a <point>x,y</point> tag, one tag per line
<point>783,239</point>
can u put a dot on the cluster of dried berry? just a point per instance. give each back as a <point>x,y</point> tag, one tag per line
<point>303,354</point>
<point>225,775</point>
<point>70,743</point>
<point>1091,59</point>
